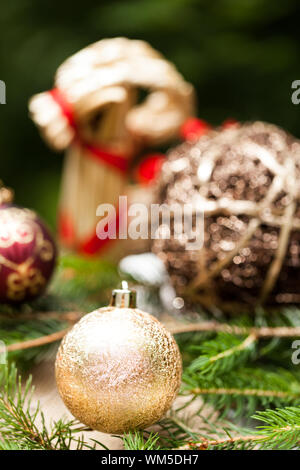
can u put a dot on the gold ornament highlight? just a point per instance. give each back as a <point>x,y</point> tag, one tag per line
<point>118,369</point>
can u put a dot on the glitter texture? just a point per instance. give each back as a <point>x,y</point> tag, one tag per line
<point>118,369</point>
<point>246,180</point>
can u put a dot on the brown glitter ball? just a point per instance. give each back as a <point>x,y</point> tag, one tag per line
<point>246,181</point>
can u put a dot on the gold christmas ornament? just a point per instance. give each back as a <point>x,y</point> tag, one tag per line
<point>118,369</point>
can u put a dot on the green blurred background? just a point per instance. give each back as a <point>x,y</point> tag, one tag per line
<point>241,55</point>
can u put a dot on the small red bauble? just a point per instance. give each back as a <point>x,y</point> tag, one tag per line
<point>27,252</point>
<point>149,169</point>
<point>194,128</point>
<point>230,122</point>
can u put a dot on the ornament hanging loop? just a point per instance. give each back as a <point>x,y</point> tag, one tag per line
<point>124,297</point>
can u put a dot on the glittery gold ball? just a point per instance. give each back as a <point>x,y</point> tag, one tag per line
<point>118,369</point>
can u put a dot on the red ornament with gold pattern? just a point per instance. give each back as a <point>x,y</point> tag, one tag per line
<point>27,252</point>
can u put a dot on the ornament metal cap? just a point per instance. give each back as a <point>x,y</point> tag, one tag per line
<point>124,297</point>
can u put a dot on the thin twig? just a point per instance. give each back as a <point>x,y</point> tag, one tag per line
<point>33,343</point>
<point>70,317</point>
<point>261,332</point>
<point>240,391</point>
<point>204,444</point>
<point>240,347</point>
<point>73,317</point>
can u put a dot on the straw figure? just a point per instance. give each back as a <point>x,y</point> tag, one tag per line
<point>96,113</point>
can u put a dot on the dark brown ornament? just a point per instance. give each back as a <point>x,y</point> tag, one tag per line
<point>246,181</point>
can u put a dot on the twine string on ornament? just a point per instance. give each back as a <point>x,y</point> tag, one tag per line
<point>217,267</point>
<point>288,178</point>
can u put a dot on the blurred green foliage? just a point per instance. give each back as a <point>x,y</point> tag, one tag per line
<point>241,55</point>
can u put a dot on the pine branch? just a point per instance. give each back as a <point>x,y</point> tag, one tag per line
<point>280,431</point>
<point>138,441</point>
<point>83,282</point>
<point>19,429</point>
<point>18,419</point>
<point>231,366</point>
<point>183,431</point>
<point>7,445</point>
<point>12,333</point>
<point>73,317</point>
<point>243,391</point>
<point>222,354</point>
<point>18,320</point>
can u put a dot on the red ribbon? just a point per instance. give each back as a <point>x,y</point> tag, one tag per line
<point>65,107</point>
<point>119,162</point>
<point>194,128</point>
<point>94,244</point>
<point>148,170</point>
